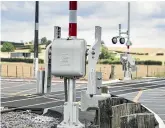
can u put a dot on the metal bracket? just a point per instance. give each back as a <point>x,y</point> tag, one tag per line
<point>91,102</point>
<point>90,98</point>
<point>71,116</point>
<point>47,83</point>
<point>48,76</point>
<point>88,101</point>
<point>93,55</point>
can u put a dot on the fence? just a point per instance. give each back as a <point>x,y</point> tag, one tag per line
<point>18,70</point>
<point>26,71</point>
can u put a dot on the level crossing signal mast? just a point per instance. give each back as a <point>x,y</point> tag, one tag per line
<point>126,59</point>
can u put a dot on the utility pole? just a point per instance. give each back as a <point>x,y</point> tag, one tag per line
<point>128,32</point>
<point>35,61</point>
<point>127,74</point>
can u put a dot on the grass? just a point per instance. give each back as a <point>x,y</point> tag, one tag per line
<point>151,51</point>
<point>145,57</point>
<point>160,75</point>
<point>139,50</point>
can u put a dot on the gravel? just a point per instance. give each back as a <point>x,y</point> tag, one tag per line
<point>26,119</point>
<point>3,108</point>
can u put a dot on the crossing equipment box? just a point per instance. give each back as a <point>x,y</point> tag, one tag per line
<point>69,57</point>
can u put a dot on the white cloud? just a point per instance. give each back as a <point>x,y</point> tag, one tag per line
<point>107,14</point>
<point>3,7</point>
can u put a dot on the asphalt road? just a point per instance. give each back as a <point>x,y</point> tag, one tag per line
<point>9,88</point>
<point>22,94</point>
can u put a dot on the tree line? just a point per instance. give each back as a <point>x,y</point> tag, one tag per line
<point>9,47</point>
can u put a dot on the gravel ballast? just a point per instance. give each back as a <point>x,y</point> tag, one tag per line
<point>26,119</point>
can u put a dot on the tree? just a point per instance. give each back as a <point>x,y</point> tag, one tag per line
<point>102,42</point>
<point>106,54</point>
<point>48,42</point>
<point>43,40</point>
<point>30,42</point>
<point>31,49</point>
<point>8,47</point>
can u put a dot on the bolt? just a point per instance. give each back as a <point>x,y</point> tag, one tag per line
<point>75,124</point>
<point>93,52</point>
<point>91,95</point>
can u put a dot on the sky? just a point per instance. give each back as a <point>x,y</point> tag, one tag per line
<point>147,21</point>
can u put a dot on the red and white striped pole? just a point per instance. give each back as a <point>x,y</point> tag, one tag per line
<point>73,19</point>
<point>72,35</point>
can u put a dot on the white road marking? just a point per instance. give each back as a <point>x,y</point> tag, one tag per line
<point>133,84</point>
<point>145,88</point>
<point>40,103</point>
<point>23,91</point>
<point>136,92</point>
<point>136,98</point>
<point>63,93</point>
<point>24,99</point>
<point>14,86</point>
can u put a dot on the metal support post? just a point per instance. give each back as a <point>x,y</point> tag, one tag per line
<point>127,73</point>
<point>71,92</point>
<point>35,61</point>
<point>65,89</point>
<point>119,30</point>
<point>128,21</point>
<point>48,56</point>
<point>40,82</point>
<point>93,55</point>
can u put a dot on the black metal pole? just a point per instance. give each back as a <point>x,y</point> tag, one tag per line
<point>36,38</point>
<point>66,89</point>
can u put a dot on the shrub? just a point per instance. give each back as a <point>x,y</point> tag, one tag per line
<point>147,62</point>
<point>20,60</point>
<point>160,54</point>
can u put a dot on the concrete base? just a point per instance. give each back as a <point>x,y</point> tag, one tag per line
<point>64,125</point>
<point>71,116</point>
<point>91,102</point>
<point>127,75</point>
<point>127,78</point>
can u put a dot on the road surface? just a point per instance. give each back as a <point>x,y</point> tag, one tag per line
<point>149,92</point>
